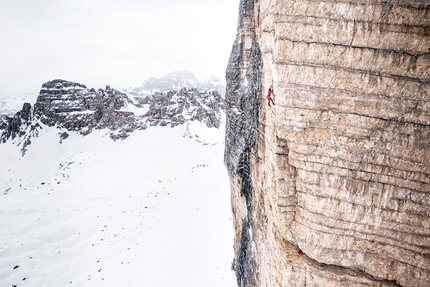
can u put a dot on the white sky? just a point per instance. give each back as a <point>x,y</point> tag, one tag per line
<point>111,42</point>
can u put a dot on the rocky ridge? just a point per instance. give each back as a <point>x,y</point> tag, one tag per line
<point>330,186</point>
<point>72,107</point>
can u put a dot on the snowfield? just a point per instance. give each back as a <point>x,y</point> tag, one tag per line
<point>151,210</point>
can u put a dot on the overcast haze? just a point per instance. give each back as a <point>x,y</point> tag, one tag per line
<point>106,42</point>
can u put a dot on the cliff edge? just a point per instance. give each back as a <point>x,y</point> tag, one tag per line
<point>330,186</point>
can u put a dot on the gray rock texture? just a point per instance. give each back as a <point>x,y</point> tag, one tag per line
<point>11,126</point>
<point>176,107</point>
<point>74,107</point>
<point>330,186</point>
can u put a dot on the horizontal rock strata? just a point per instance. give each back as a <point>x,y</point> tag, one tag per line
<point>335,190</point>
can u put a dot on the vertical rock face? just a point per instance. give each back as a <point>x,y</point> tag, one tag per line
<point>11,126</point>
<point>339,168</point>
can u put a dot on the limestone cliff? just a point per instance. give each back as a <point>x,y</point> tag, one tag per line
<point>339,168</point>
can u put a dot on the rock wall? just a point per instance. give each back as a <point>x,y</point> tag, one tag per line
<point>75,107</point>
<point>330,186</point>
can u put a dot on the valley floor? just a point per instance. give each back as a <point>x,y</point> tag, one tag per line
<point>151,210</point>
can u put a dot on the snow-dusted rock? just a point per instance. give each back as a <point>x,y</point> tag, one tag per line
<point>74,107</point>
<point>175,107</point>
<point>11,126</point>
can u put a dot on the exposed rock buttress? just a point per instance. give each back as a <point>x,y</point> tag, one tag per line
<point>74,107</point>
<point>330,186</point>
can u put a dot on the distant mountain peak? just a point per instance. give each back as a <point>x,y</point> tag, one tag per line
<point>177,80</point>
<point>59,84</point>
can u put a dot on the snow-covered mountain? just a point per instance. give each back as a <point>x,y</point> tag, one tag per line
<point>80,209</point>
<point>178,80</point>
<point>72,107</point>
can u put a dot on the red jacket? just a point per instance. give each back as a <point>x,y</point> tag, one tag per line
<point>269,93</point>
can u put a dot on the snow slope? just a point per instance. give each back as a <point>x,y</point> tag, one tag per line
<point>151,210</point>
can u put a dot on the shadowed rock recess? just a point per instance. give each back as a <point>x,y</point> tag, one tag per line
<point>330,186</point>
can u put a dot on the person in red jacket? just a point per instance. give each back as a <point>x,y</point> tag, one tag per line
<point>269,95</point>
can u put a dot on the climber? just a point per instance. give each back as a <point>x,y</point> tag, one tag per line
<point>269,95</point>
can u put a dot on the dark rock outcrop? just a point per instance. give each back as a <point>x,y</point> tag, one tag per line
<point>176,107</point>
<point>15,126</point>
<point>74,107</point>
